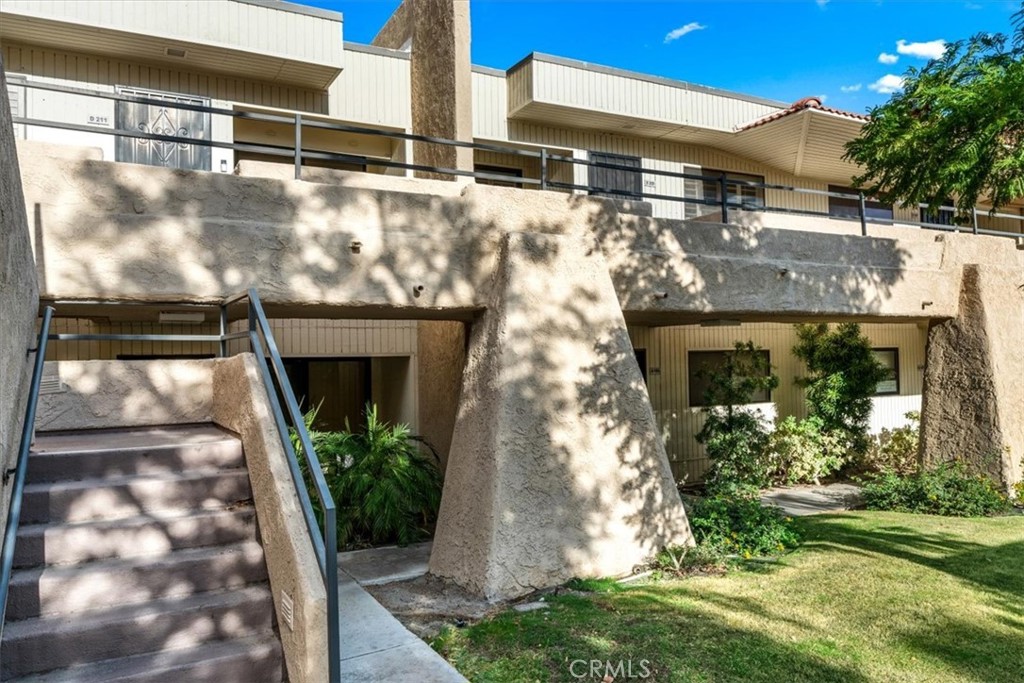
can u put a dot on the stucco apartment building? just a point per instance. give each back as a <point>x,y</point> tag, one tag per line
<point>75,71</point>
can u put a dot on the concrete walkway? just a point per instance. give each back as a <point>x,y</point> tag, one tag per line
<point>797,501</point>
<point>374,644</point>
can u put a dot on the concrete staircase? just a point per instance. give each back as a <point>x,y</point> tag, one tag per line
<point>138,560</point>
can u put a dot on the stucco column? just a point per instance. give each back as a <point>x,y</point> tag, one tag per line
<point>556,468</point>
<point>973,404</point>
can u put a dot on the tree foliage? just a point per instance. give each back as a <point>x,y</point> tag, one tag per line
<point>842,376</point>
<point>955,131</point>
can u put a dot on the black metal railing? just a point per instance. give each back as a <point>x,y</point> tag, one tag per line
<point>20,468</point>
<point>552,164</point>
<point>259,339</point>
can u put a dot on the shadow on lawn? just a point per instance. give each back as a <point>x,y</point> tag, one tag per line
<point>996,569</point>
<point>680,643</point>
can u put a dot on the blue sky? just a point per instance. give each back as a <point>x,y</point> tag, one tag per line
<point>852,52</point>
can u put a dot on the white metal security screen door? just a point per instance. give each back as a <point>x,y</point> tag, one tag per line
<point>163,120</point>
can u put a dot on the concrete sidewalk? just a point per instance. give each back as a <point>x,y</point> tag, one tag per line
<point>375,646</point>
<point>797,501</point>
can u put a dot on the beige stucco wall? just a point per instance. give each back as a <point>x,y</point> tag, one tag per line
<point>134,232</point>
<point>19,298</point>
<point>556,467</point>
<point>240,403</point>
<point>441,357</point>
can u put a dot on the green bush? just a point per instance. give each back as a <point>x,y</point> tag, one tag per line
<point>680,559</point>
<point>1018,492</point>
<point>947,489</point>
<point>737,446</point>
<point>895,451</point>
<point>843,375</point>
<point>741,525</point>
<point>385,490</point>
<point>804,452</point>
<point>735,437</point>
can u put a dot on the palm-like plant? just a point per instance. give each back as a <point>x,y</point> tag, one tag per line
<point>384,488</point>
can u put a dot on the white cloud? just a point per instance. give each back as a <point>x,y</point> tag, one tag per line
<point>933,49</point>
<point>822,3</point>
<point>973,6</point>
<point>850,88</point>
<point>683,30</point>
<point>887,84</point>
<point>886,58</point>
<point>822,98</point>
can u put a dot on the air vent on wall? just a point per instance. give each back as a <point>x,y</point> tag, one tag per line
<point>51,385</point>
<point>176,52</point>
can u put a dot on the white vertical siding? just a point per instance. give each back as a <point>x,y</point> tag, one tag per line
<point>101,73</point>
<point>262,29</point>
<point>675,157</point>
<point>490,106</point>
<point>639,97</point>
<point>668,378</point>
<point>374,88</point>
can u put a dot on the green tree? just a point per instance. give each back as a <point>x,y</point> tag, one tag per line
<point>955,130</point>
<point>842,376</point>
<point>735,438</point>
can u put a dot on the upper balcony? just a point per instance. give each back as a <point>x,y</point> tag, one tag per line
<point>268,40</point>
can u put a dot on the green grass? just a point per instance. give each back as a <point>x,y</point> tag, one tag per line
<point>870,596</point>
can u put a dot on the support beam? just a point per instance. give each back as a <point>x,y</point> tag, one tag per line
<point>556,468</point>
<point>973,407</point>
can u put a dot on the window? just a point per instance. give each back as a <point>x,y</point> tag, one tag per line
<point>163,119</point>
<point>890,358</point>
<point>709,361</point>
<point>613,182</point>
<point>498,170</point>
<point>849,207</point>
<point>939,216</point>
<point>338,388</point>
<point>742,196</point>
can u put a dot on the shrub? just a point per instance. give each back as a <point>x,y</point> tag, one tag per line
<point>741,525</point>
<point>1018,492</point>
<point>947,489</point>
<point>804,451</point>
<point>684,559</point>
<point>895,450</point>
<point>735,437</point>
<point>384,489</point>
<point>843,375</point>
<point>737,447</point>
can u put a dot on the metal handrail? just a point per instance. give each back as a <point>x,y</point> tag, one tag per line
<point>298,153</point>
<point>286,415</point>
<point>21,466</point>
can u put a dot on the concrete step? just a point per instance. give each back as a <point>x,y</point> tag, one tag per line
<point>108,583</point>
<point>64,459</point>
<point>151,534</point>
<point>130,496</point>
<point>48,643</point>
<point>248,660</point>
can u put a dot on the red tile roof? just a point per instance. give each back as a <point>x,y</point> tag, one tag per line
<point>799,106</point>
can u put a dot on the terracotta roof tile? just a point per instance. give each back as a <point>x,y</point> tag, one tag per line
<point>799,106</point>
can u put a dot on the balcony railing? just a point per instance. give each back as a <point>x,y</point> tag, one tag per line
<point>945,218</point>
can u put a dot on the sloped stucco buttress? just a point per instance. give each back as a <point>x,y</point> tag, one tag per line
<point>973,407</point>
<point>556,468</point>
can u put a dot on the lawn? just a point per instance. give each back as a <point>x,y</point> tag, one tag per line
<point>870,596</point>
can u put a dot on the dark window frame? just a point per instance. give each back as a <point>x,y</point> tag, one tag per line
<point>740,196</point>
<point>696,398</point>
<point>495,169</point>
<point>843,207</point>
<point>896,369</point>
<point>597,175</point>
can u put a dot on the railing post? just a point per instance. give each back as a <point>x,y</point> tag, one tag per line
<point>974,220</point>
<point>223,330</point>
<point>723,191</point>
<point>862,210</point>
<point>543,168</point>
<point>298,146</point>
